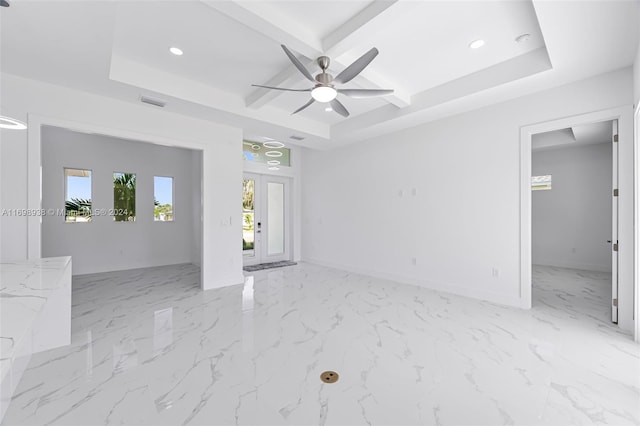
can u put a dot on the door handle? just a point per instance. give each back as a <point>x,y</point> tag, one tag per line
<point>609,241</point>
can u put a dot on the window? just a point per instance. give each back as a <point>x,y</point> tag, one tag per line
<point>273,157</point>
<point>77,197</point>
<point>162,199</point>
<point>124,197</point>
<point>540,183</point>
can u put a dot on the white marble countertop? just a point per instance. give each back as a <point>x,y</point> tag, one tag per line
<point>24,289</point>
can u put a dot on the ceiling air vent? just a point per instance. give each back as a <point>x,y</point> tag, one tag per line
<point>296,138</point>
<point>151,101</point>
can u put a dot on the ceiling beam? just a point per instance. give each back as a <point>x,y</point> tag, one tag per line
<point>265,19</point>
<point>336,42</point>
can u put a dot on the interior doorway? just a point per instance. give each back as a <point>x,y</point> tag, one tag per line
<point>266,221</point>
<point>574,217</point>
<point>143,207</point>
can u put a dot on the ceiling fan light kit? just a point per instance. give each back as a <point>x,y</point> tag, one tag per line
<point>324,94</point>
<point>324,90</point>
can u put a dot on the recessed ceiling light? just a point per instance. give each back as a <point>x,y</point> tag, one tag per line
<point>476,44</point>
<point>11,123</point>
<point>255,147</point>
<point>522,38</point>
<point>273,144</point>
<point>176,51</point>
<point>273,162</point>
<point>328,109</point>
<point>274,168</point>
<point>273,154</point>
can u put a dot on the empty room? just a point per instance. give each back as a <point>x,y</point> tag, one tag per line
<point>311,212</point>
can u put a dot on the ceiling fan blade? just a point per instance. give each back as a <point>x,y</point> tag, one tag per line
<point>365,93</point>
<point>281,88</point>
<point>339,108</point>
<point>298,64</point>
<point>303,106</point>
<point>356,68</point>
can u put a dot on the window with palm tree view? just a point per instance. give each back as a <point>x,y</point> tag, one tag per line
<point>124,197</point>
<point>77,199</point>
<point>162,199</point>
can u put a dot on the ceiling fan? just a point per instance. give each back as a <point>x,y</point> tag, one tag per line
<point>324,90</point>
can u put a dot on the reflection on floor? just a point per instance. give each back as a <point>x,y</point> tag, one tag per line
<point>150,348</point>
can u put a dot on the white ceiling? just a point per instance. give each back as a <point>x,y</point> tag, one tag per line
<point>429,46</point>
<point>120,49</point>
<point>328,15</point>
<point>145,31</point>
<point>586,134</point>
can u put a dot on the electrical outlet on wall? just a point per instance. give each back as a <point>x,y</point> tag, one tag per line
<point>495,272</point>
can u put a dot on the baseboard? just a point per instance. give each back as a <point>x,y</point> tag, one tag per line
<point>226,281</point>
<point>131,268</point>
<point>573,265</point>
<point>492,297</point>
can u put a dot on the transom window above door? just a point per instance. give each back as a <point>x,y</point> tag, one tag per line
<point>271,153</point>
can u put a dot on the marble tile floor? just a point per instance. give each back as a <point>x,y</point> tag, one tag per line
<point>149,348</point>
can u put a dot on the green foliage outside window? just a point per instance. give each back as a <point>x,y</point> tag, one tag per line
<point>124,197</point>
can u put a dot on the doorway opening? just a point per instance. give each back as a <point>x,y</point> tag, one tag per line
<point>266,219</point>
<point>137,204</point>
<point>574,219</point>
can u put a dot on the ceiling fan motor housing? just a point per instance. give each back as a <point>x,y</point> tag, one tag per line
<point>324,78</point>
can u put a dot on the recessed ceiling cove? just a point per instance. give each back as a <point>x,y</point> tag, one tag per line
<point>231,44</point>
<point>121,49</point>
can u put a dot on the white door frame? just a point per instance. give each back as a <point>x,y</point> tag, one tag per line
<point>615,155</point>
<point>261,253</point>
<point>636,219</point>
<point>624,115</point>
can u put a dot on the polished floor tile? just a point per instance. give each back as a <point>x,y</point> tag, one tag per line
<point>150,348</point>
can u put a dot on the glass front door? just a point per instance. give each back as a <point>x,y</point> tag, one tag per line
<point>265,218</point>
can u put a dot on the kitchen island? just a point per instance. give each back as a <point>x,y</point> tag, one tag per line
<point>35,315</point>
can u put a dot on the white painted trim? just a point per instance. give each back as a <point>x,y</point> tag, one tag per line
<point>574,265</point>
<point>34,179</point>
<point>624,116</point>
<point>636,220</point>
<point>525,217</point>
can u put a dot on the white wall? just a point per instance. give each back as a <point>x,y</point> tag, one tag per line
<point>636,67</point>
<point>571,223</point>
<point>44,103</point>
<point>196,209</point>
<point>104,245</point>
<point>360,212</point>
<point>636,78</point>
